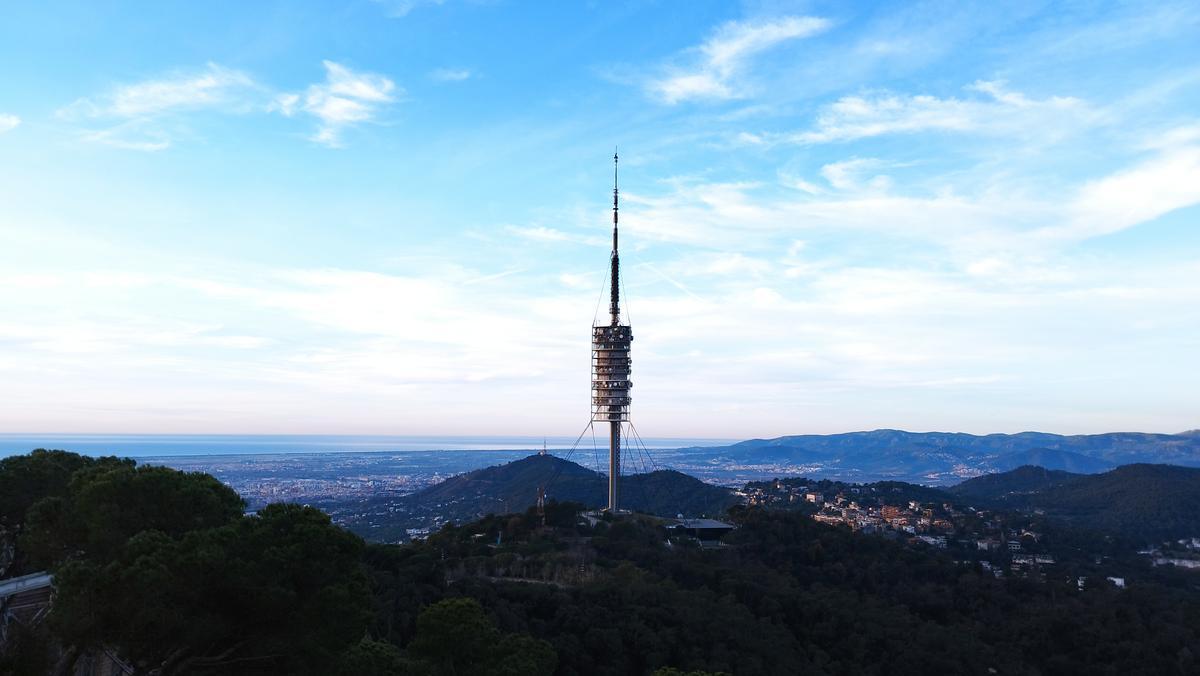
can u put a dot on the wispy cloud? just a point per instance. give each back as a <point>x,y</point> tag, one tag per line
<point>848,174</point>
<point>140,115</point>
<point>450,74</point>
<point>718,63</point>
<point>132,135</point>
<point>8,122</point>
<point>1164,183</point>
<point>398,9</point>
<point>1000,110</point>
<point>212,87</point>
<point>973,219</point>
<point>149,115</point>
<point>346,98</point>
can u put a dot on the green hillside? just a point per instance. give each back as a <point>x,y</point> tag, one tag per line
<point>1144,502</point>
<point>1020,481</point>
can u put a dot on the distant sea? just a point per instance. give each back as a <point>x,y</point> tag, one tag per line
<point>164,445</point>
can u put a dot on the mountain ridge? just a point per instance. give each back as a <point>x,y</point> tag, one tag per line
<point>949,457</point>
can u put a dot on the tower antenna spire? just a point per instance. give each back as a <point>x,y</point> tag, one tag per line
<point>614,192</point>
<point>614,302</point>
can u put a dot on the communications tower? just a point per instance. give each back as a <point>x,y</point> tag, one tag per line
<point>611,364</point>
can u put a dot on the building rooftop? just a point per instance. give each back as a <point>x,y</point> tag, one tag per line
<point>25,583</point>
<point>704,523</point>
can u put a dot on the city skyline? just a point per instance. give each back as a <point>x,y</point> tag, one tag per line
<point>393,217</point>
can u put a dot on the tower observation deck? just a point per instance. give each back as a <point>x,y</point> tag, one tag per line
<point>611,364</point>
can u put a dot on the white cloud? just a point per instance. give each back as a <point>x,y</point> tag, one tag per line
<point>1167,182</point>
<point>978,223</point>
<point>847,174</point>
<point>450,74</point>
<point>345,350</point>
<point>1173,138</point>
<point>720,61</point>
<point>133,135</point>
<point>148,115</point>
<point>8,122</point>
<point>144,115</point>
<point>1002,111</point>
<point>213,87</point>
<point>345,98</point>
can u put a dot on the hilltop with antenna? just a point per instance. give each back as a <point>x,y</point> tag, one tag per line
<point>514,487</point>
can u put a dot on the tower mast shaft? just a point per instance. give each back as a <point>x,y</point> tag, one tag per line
<point>611,365</point>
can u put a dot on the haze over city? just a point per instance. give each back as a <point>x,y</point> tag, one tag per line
<point>392,217</point>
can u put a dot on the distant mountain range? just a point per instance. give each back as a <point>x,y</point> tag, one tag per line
<point>1074,478</point>
<point>945,457</point>
<point>1141,501</point>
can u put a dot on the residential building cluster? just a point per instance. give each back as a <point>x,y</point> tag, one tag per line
<point>1002,544</point>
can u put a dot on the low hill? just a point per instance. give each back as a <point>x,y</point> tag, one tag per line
<point>1053,459</point>
<point>945,457</point>
<point>513,487</point>
<point>1141,501</point>
<point>1020,481</point>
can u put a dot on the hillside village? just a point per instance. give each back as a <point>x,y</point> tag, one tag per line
<point>1003,542</point>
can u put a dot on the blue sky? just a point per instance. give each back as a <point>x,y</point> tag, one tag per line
<point>391,217</point>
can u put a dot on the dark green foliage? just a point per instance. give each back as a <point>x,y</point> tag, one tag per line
<point>404,581</point>
<point>163,568</point>
<point>666,492</point>
<point>455,636</point>
<point>25,479</point>
<point>107,503</point>
<point>1148,503</point>
<point>522,655</point>
<point>42,476</point>
<point>26,650</point>
<point>374,658</point>
<point>794,596</point>
<point>283,590</point>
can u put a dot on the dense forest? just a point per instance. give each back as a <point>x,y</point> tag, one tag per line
<point>164,569</point>
<point>1145,503</point>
